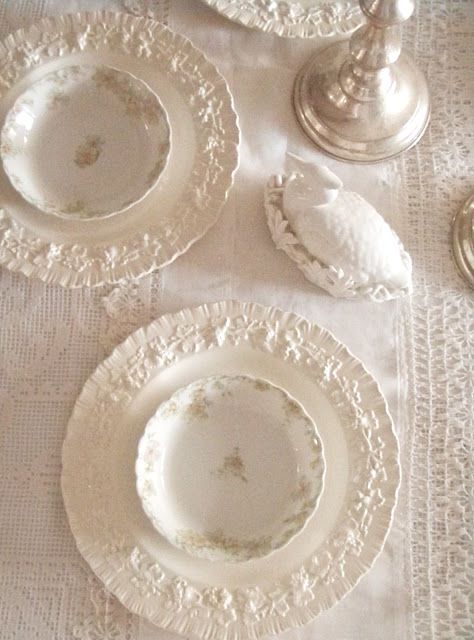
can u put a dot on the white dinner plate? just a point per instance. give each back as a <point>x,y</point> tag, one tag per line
<point>230,600</point>
<point>85,141</point>
<point>293,18</point>
<point>193,186</point>
<point>230,468</point>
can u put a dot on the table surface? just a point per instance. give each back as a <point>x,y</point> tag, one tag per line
<point>420,349</point>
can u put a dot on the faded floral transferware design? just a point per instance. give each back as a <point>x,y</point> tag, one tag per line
<point>137,103</point>
<point>163,150</point>
<point>195,543</point>
<point>293,18</point>
<point>233,465</point>
<point>193,404</point>
<point>197,409</point>
<point>89,151</point>
<point>54,92</point>
<point>331,570</point>
<point>210,105</point>
<point>58,99</point>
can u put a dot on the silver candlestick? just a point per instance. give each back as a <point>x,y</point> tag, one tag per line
<point>463,240</point>
<point>364,100</point>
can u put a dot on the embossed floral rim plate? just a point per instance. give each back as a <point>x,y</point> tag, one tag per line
<point>230,468</point>
<point>230,601</point>
<point>85,141</point>
<point>193,186</point>
<point>293,18</point>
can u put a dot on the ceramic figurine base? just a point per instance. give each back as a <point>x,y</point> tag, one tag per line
<point>335,237</point>
<point>375,130</point>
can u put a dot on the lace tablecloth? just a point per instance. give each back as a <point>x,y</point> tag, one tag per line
<point>421,350</point>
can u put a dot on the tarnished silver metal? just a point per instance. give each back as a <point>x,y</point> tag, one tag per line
<point>463,240</point>
<point>364,100</point>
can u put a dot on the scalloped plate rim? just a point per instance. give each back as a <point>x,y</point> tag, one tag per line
<point>288,27</point>
<point>206,628</point>
<point>32,265</point>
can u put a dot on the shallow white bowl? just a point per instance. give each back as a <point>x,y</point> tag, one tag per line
<point>85,141</point>
<point>230,468</point>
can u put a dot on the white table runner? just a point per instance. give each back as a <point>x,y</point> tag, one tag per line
<point>421,350</point>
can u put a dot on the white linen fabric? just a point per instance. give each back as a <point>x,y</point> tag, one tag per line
<point>421,350</point>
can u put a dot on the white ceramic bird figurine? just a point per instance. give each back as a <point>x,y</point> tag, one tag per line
<point>350,249</point>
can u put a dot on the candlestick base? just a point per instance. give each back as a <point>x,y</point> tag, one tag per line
<point>358,130</point>
<point>463,240</point>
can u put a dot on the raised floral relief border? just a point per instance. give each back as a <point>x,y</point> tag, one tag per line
<point>217,612</point>
<point>293,19</point>
<point>216,128</point>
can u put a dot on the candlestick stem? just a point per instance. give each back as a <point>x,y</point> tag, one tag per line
<point>364,100</point>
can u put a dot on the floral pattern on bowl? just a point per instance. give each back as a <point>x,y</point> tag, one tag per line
<point>230,468</point>
<point>85,141</point>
